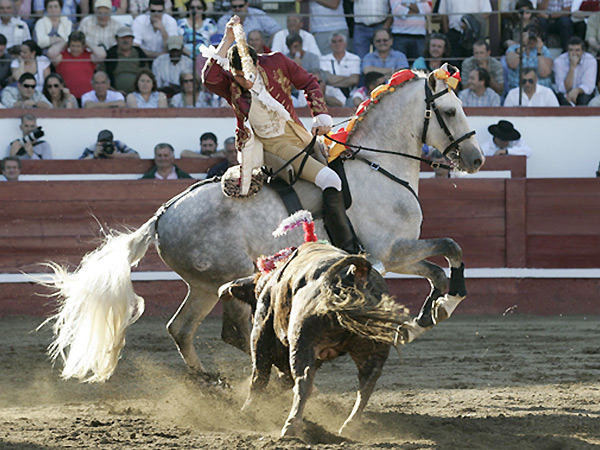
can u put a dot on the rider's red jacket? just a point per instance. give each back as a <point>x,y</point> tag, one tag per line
<point>279,74</point>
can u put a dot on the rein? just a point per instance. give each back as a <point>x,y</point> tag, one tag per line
<point>430,99</point>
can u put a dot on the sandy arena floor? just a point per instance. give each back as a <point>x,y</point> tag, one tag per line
<point>506,383</point>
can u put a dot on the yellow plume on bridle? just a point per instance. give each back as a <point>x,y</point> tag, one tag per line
<point>451,80</point>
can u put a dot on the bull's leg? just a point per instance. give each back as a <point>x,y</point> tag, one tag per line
<point>198,303</point>
<point>369,371</point>
<point>263,342</point>
<point>304,365</point>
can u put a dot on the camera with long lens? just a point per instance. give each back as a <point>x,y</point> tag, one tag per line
<point>30,137</point>
<point>33,135</point>
<point>108,148</point>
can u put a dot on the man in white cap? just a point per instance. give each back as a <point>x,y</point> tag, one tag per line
<point>124,61</point>
<point>505,140</point>
<point>151,30</point>
<point>168,67</point>
<point>100,28</point>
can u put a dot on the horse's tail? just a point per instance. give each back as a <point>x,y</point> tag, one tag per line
<point>97,304</point>
<point>362,306</point>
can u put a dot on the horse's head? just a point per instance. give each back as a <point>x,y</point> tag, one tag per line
<point>446,126</point>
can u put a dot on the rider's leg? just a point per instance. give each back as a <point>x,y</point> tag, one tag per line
<point>334,212</point>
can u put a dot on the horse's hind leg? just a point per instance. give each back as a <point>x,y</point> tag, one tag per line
<point>198,303</point>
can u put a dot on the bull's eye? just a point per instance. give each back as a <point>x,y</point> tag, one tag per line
<point>450,112</point>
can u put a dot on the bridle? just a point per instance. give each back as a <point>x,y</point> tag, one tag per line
<point>430,99</point>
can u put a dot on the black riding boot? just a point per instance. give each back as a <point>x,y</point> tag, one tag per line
<point>337,222</point>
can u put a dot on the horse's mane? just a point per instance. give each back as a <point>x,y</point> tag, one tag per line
<point>419,75</point>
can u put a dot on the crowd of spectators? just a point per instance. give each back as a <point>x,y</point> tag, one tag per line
<point>141,53</point>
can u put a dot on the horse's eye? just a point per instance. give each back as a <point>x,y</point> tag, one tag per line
<point>450,112</point>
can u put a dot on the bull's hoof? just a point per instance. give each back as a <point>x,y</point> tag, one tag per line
<point>445,306</point>
<point>292,428</point>
<point>213,379</point>
<point>425,320</point>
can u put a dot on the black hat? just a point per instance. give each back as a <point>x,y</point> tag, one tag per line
<point>504,130</point>
<point>105,135</point>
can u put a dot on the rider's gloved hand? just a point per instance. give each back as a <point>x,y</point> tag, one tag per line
<point>322,124</point>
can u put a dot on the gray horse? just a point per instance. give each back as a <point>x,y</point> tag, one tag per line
<point>209,239</point>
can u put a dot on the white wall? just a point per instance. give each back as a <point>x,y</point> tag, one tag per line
<point>562,146</point>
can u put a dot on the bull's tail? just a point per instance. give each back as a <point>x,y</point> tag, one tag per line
<point>97,304</point>
<point>361,307</point>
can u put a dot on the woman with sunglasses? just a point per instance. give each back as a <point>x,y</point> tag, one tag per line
<point>54,27</point>
<point>146,94</point>
<point>193,98</point>
<point>58,94</point>
<point>32,61</point>
<point>196,23</point>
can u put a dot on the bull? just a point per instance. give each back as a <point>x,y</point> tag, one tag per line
<point>318,305</point>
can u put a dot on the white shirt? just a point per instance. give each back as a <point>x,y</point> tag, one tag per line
<point>15,31</point>
<point>309,44</point>
<point>456,9</point>
<point>542,96</point>
<point>517,147</point>
<point>111,96</point>
<point>166,72</point>
<point>326,19</point>
<point>349,64</point>
<point>147,37</point>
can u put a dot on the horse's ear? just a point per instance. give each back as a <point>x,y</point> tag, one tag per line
<point>432,81</point>
<point>450,68</point>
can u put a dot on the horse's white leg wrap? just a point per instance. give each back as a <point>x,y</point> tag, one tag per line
<point>327,178</point>
<point>444,306</point>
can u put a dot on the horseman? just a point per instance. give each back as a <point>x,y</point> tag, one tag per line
<point>258,89</point>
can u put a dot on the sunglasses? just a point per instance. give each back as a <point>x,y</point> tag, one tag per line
<point>156,11</point>
<point>528,80</point>
<point>238,6</point>
<point>29,86</point>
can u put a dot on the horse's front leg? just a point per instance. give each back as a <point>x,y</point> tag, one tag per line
<point>411,259</point>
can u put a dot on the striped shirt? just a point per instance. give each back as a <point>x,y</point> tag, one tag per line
<point>370,12</point>
<point>471,99</point>
<point>97,35</point>
<point>405,23</point>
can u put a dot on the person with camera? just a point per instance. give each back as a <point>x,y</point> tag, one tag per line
<point>106,147</point>
<point>30,146</point>
<point>25,95</point>
<point>535,54</point>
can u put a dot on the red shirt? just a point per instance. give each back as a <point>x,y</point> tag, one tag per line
<point>77,72</point>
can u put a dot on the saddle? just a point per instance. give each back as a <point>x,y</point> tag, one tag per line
<point>280,176</point>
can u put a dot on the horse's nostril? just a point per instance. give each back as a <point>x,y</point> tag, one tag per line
<point>477,163</point>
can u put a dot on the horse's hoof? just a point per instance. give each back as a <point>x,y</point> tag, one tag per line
<point>408,332</point>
